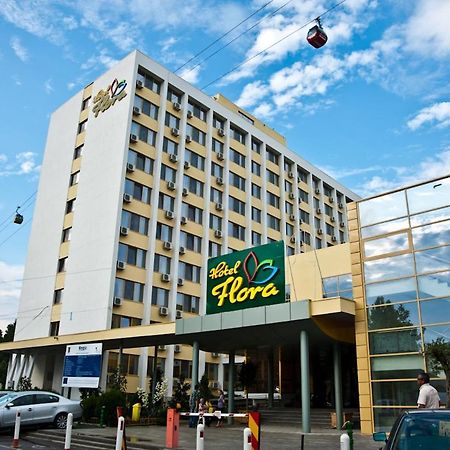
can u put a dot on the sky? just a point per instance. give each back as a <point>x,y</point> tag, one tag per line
<point>371,108</point>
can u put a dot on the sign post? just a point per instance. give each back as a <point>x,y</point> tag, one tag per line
<point>82,366</point>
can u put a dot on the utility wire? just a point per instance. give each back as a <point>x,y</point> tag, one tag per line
<point>238,36</point>
<point>11,223</point>
<point>272,45</point>
<point>12,234</point>
<point>223,35</point>
<point>21,206</point>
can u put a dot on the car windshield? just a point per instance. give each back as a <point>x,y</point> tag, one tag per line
<point>7,398</point>
<point>430,431</point>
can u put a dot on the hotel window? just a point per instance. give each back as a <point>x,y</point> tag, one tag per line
<point>161,264</point>
<point>146,107</point>
<point>163,232</point>
<point>288,208</point>
<point>214,249</point>
<point>316,202</point>
<point>272,177</point>
<point>237,158</point>
<point>197,111</point>
<point>237,181</point>
<point>74,178</point>
<point>338,286</point>
<point>303,195</point>
<point>318,243</point>
<point>327,191</point>
<point>189,303</point>
<point>82,126</point>
<point>288,186</point>
<point>57,296</point>
<point>236,205</point>
<point>134,222</point>
<point>195,134</point>
<point>340,217</point>
<point>287,166</point>
<point>273,200</point>
<point>167,173</point>
<point>54,328</point>
<point>70,205</point>
<point>215,196</point>
<point>236,231</point>
<point>218,123</point>
<point>256,238</point>
<point>304,216</point>
<point>256,190</point>
<point>192,213</point>
<point>256,146</point>
<point>341,236</point>
<point>141,162</point>
<point>306,237</point>
<point>160,364</point>
<point>273,222</point>
<point>195,159</point>
<point>237,134</point>
<point>317,222</point>
<point>118,321</point>
<point>62,264</point>
<point>191,242</point>
<point>129,290</point>
<point>217,146</point>
<point>189,272</point>
<point>256,214</point>
<point>272,156</point>
<point>132,255</point>
<point>78,151</point>
<point>149,81</point>
<point>289,251</point>
<point>193,185</point>
<point>216,170</point>
<point>302,175</point>
<point>160,297</point>
<point>170,146</point>
<point>215,222</point>
<point>173,96</point>
<point>66,234</point>
<point>245,117</point>
<point>316,183</point>
<point>256,168</point>
<point>138,191</point>
<point>328,210</point>
<point>143,133</point>
<point>289,229</point>
<point>85,103</point>
<point>172,121</point>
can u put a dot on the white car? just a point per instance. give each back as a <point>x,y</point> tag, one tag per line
<point>37,407</point>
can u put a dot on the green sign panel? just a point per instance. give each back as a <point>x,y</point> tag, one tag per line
<point>245,279</point>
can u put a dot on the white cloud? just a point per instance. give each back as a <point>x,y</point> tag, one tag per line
<point>252,93</point>
<point>438,113</point>
<point>102,57</point>
<point>48,86</point>
<point>191,75</point>
<point>20,51</point>
<point>24,164</point>
<point>9,292</point>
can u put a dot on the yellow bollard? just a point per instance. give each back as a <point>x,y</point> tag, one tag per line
<point>136,412</point>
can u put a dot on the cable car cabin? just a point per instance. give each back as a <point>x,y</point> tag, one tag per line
<point>316,36</point>
<point>18,218</point>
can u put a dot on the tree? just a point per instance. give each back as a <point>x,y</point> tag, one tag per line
<point>438,355</point>
<point>180,397</point>
<point>7,336</point>
<point>205,391</point>
<point>247,377</point>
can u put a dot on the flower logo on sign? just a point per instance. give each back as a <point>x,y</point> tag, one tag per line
<point>258,272</point>
<point>107,98</point>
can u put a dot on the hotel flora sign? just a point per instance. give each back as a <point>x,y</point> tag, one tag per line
<point>245,279</point>
<point>107,98</point>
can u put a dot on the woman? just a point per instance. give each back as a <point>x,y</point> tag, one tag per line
<point>220,407</point>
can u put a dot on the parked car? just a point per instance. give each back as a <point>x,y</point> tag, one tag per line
<point>427,429</point>
<point>37,407</point>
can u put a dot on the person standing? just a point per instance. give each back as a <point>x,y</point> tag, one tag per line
<point>428,395</point>
<point>193,405</point>
<point>220,407</point>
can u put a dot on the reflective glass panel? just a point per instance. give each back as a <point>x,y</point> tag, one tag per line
<point>433,260</point>
<point>399,366</point>
<point>389,244</point>
<point>435,311</point>
<point>431,235</point>
<point>385,228</point>
<point>402,341</point>
<point>381,209</point>
<point>432,333</point>
<point>392,315</point>
<point>431,216</point>
<point>384,418</point>
<point>345,282</point>
<point>393,291</point>
<point>434,285</point>
<point>330,285</point>
<point>398,393</point>
<point>393,267</point>
<point>429,196</point>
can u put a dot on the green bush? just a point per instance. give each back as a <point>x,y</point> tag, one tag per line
<point>89,405</point>
<point>110,400</point>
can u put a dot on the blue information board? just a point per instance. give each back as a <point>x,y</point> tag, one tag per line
<point>82,366</point>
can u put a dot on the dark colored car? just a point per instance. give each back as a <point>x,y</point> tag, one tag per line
<point>419,429</point>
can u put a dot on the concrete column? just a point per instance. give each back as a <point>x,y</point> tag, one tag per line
<point>155,368</point>
<point>304,374</point>
<point>195,361</point>
<point>337,369</point>
<point>120,360</point>
<point>231,377</point>
<point>270,378</point>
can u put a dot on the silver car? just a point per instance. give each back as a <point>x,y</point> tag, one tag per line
<point>37,407</point>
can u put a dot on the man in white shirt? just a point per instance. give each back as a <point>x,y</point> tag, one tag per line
<point>428,395</point>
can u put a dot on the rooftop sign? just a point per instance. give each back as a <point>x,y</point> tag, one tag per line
<point>104,99</point>
<point>245,279</point>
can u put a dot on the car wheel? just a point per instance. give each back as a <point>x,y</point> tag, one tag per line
<point>61,421</point>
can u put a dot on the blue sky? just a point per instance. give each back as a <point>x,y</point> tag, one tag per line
<point>371,107</point>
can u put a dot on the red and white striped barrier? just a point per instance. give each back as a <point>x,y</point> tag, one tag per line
<point>120,429</point>
<point>217,414</point>
<point>68,431</point>
<point>15,442</point>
